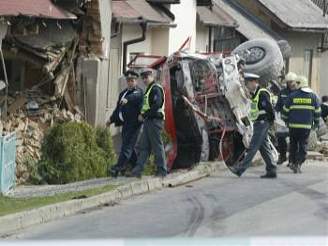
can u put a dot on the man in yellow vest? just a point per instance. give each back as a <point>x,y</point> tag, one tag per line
<point>152,115</point>
<point>262,115</point>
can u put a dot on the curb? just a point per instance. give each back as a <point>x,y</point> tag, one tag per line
<point>13,222</point>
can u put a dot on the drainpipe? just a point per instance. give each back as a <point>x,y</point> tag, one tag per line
<point>133,41</point>
<point>324,7</point>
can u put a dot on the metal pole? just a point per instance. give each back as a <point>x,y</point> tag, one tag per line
<point>324,7</point>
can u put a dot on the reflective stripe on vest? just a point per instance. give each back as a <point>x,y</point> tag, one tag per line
<point>299,126</point>
<point>146,105</point>
<point>255,112</point>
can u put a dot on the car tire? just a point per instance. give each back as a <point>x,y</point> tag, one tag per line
<point>263,57</point>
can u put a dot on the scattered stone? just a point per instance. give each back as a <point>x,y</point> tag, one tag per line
<point>30,114</point>
<point>313,155</point>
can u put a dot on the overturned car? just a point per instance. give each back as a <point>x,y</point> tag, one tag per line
<point>207,105</point>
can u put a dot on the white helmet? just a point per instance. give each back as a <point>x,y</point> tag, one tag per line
<point>291,76</point>
<point>302,81</point>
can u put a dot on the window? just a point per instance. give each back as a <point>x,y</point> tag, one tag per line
<point>308,57</point>
<point>225,39</point>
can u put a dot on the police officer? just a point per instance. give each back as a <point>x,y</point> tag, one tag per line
<point>262,116</point>
<point>302,113</point>
<point>152,115</point>
<point>126,114</point>
<point>281,137</point>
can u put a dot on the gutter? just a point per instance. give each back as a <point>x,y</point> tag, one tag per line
<point>133,41</point>
<point>166,11</point>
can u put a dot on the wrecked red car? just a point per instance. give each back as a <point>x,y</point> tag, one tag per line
<point>200,121</point>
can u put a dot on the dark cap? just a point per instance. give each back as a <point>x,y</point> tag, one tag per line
<point>130,74</point>
<point>147,71</point>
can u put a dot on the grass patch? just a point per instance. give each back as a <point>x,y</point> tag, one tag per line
<point>10,205</point>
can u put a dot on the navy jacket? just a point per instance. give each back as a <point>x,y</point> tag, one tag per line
<point>302,109</point>
<point>283,95</point>
<point>131,110</point>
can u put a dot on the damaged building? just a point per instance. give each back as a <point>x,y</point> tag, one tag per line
<point>55,66</point>
<point>46,50</point>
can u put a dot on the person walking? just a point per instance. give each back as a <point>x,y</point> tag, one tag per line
<point>152,115</point>
<point>301,113</point>
<point>290,80</point>
<point>262,115</point>
<point>126,114</point>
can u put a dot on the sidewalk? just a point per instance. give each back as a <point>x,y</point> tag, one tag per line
<point>126,188</point>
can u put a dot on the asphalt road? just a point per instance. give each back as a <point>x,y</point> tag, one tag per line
<point>221,205</point>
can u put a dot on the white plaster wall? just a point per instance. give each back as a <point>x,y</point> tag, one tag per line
<point>185,18</point>
<point>324,74</point>
<point>299,42</point>
<point>160,41</point>
<point>202,38</point>
<point>132,32</point>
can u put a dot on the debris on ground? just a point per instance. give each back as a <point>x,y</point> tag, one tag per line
<point>30,114</point>
<point>322,148</point>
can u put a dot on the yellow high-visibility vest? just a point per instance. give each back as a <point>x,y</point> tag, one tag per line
<point>146,105</point>
<point>255,112</point>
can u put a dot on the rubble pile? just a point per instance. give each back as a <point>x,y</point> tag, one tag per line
<point>30,114</point>
<point>323,148</point>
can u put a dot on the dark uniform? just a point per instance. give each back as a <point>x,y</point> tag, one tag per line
<point>262,115</point>
<point>127,116</point>
<point>302,113</point>
<point>324,108</point>
<point>281,137</point>
<point>150,140</point>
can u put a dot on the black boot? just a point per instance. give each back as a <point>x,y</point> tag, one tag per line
<point>293,167</point>
<point>282,159</point>
<point>272,175</point>
<point>298,168</point>
<point>113,172</point>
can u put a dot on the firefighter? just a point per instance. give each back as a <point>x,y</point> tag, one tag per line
<point>290,80</point>
<point>126,114</point>
<point>262,115</point>
<point>152,115</point>
<point>302,113</point>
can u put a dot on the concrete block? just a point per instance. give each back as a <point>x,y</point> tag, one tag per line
<point>125,191</point>
<point>139,187</point>
<point>154,184</point>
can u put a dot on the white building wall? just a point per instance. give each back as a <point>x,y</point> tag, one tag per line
<point>160,41</point>
<point>130,32</point>
<point>185,18</point>
<point>202,36</point>
<point>324,74</point>
<point>299,42</point>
